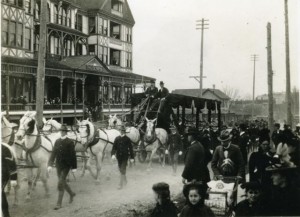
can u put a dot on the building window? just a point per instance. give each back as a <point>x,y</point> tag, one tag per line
<point>28,6</point>
<point>56,46</point>
<point>103,54</point>
<point>117,5</point>
<point>68,18</point>
<point>79,22</point>
<point>27,38</point>
<point>36,43</point>
<point>12,35</point>
<point>103,26</point>
<point>4,29</point>
<point>116,94</point>
<point>92,26</point>
<point>64,17</point>
<point>18,3</point>
<point>19,35</point>
<point>37,11</point>
<point>128,92</point>
<point>92,49</point>
<point>128,60</point>
<point>129,35</point>
<point>67,50</point>
<point>115,30</point>
<point>115,57</point>
<point>55,14</point>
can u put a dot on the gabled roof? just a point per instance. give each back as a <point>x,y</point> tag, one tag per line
<point>131,75</point>
<point>196,93</point>
<point>81,62</point>
<point>104,6</point>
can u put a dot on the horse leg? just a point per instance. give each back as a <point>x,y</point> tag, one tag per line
<point>98,167</point>
<point>84,163</point>
<point>36,178</point>
<point>29,180</point>
<point>43,174</point>
<point>164,159</point>
<point>89,168</point>
<point>150,160</point>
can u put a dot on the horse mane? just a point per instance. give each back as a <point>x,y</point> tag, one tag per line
<point>31,125</point>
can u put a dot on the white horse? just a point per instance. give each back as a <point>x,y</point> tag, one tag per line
<point>8,137</point>
<point>38,150</point>
<point>131,132</point>
<point>98,143</point>
<point>156,140</point>
<point>53,127</point>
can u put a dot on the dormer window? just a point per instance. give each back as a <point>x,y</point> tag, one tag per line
<point>115,30</point>
<point>117,5</point>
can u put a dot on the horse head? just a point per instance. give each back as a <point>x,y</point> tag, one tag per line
<point>7,129</point>
<point>150,130</point>
<point>51,125</point>
<point>27,125</point>
<point>114,121</point>
<point>86,131</point>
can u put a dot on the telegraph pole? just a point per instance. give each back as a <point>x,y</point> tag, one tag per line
<point>270,78</point>
<point>201,25</point>
<point>287,63</point>
<point>41,65</point>
<point>254,58</point>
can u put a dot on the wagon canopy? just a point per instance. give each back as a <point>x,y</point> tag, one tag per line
<point>176,100</point>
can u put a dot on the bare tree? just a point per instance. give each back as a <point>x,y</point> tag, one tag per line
<point>232,93</point>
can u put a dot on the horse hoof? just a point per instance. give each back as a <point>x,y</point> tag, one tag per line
<point>27,199</point>
<point>97,182</point>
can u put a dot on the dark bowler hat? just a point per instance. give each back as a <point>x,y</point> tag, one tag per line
<point>152,81</point>
<point>64,128</point>
<point>192,131</point>
<point>225,136</point>
<point>251,185</point>
<point>161,82</point>
<point>122,128</point>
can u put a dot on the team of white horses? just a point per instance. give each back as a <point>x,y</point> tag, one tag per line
<point>35,146</point>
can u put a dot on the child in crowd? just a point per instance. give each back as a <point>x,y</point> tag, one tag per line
<point>164,206</point>
<point>252,205</point>
<point>195,194</point>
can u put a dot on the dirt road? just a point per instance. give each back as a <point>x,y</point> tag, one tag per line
<point>99,200</point>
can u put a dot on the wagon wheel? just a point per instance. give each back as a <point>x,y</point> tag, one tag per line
<point>142,155</point>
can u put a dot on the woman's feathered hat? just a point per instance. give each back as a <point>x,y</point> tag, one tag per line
<point>281,160</point>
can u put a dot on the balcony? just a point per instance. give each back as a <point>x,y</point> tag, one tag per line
<point>49,56</point>
<point>115,41</point>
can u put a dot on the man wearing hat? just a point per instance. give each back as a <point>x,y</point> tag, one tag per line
<point>195,168</point>
<point>152,90</point>
<point>227,159</point>
<point>121,150</point>
<point>65,157</point>
<point>163,92</point>
<point>277,135</point>
<point>175,148</point>
<point>243,142</point>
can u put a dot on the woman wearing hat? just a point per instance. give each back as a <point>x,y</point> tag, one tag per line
<point>164,206</point>
<point>227,159</point>
<point>195,162</point>
<point>283,198</point>
<point>252,205</point>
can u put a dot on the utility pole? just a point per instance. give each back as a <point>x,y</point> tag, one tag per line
<point>287,63</point>
<point>201,25</point>
<point>41,65</point>
<point>197,78</point>
<point>254,58</point>
<point>270,78</point>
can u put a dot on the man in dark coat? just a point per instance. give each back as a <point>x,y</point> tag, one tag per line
<point>195,160</point>
<point>244,142</point>
<point>227,159</point>
<point>121,150</point>
<point>9,172</point>
<point>277,135</point>
<point>162,92</point>
<point>65,157</point>
<point>152,90</point>
<point>174,149</point>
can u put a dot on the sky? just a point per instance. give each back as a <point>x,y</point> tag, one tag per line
<point>166,44</point>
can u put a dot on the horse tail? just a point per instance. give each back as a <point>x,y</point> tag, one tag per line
<point>12,151</point>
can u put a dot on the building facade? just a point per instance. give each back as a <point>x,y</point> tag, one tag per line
<point>88,56</point>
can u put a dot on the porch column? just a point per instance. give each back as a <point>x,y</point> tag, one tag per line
<point>61,105</point>
<point>219,116</point>
<point>102,99</point>
<point>123,95</point>
<point>74,95</point>
<point>183,116</point>
<point>209,115</point>
<point>133,88</point>
<point>109,89</point>
<point>178,114</point>
<point>83,82</point>
<point>197,117</point>
<point>7,96</point>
